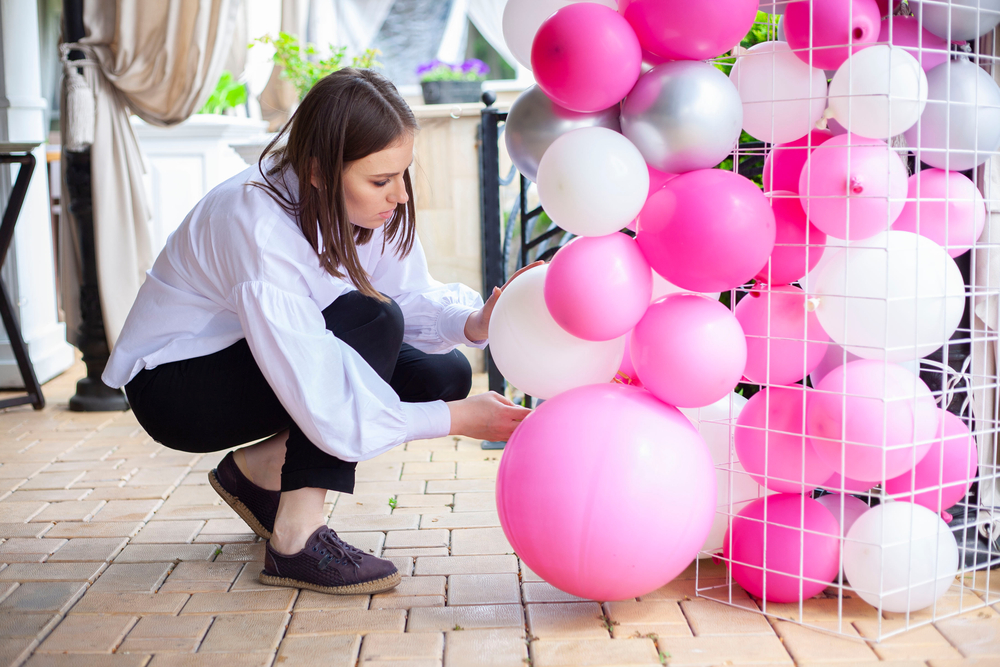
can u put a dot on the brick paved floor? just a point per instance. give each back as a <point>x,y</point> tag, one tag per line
<point>115,551</point>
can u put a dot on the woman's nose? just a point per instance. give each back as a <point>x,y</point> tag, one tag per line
<point>399,195</point>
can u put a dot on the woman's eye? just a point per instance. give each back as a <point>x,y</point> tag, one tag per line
<point>381,184</point>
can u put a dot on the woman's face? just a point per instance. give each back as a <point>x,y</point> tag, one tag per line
<point>373,185</point>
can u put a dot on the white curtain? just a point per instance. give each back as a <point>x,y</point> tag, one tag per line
<point>487,16</point>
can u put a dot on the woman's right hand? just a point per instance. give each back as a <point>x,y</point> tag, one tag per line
<point>488,416</point>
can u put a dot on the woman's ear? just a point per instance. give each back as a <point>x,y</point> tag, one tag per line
<point>314,177</point>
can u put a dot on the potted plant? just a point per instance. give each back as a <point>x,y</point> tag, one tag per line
<point>303,66</point>
<point>444,83</point>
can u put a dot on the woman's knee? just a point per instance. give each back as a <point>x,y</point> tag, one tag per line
<point>354,310</point>
<point>449,378</point>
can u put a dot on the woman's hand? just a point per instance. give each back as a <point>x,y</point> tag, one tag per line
<point>487,416</point>
<point>477,327</point>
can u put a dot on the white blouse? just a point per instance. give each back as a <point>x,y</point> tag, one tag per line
<point>239,267</point>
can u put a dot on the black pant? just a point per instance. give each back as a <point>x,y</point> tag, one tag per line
<point>221,400</point>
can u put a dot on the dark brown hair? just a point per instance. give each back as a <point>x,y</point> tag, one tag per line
<point>346,116</point>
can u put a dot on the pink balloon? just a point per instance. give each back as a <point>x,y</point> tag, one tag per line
<point>823,41</point>
<point>783,164</point>
<point>598,287</point>
<point>771,442</point>
<point>685,30</point>
<point>840,484</point>
<point>797,547</point>
<point>785,342</point>
<point>944,206</point>
<point>798,245</point>
<point>688,350</point>
<point>606,474</point>
<point>929,49</point>
<point>947,472</point>
<point>657,179</point>
<point>575,74</point>
<point>864,172</point>
<point>707,230</point>
<point>866,410</point>
<point>626,373</point>
<point>847,514</point>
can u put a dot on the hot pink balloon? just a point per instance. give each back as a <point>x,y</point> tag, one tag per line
<point>657,179</point>
<point>689,350</point>
<point>838,29</point>
<point>785,342</point>
<point>685,30</point>
<point>598,287</point>
<point>707,230</point>
<point>798,245</point>
<point>626,373</point>
<point>929,49</point>
<point>572,71</point>
<point>771,442</point>
<point>783,164</point>
<point>947,472</point>
<point>606,474</point>
<point>838,484</point>
<point>944,206</point>
<point>798,548</point>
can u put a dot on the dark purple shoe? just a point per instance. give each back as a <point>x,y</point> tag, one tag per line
<point>255,505</point>
<point>329,565</point>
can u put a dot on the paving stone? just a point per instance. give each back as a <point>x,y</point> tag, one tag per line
<point>346,621</point>
<point>195,512</point>
<point>424,500</point>
<point>477,469</point>
<point>148,553</point>
<point>661,618</point>
<point>225,538</point>
<point>27,545</point>
<point>17,512</point>
<point>349,523</point>
<point>165,475</point>
<point>313,601</point>
<point>961,662</point>
<point>249,578</point>
<point>540,591</point>
<point>402,647</point>
<point>407,602</point>
<point>211,660</point>
<point>130,603</point>
<point>973,636</point>
<point>69,510</point>
<point>166,634</point>
<point>226,527</point>
<point>527,574</point>
<point>478,589</point>
<point>486,648</point>
<point>277,599</point>
<point>466,565</point>
<point>337,650</point>
<point>51,480</point>
<point>162,532</point>
<point>8,530</point>
<point>51,596</point>
<point>21,624</point>
<point>49,495</point>
<point>370,542</point>
<point>85,634</point>
<point>809,645</point>
<point>390,488</point>
<point>98,549</point>
<point>917,635</point>
<point>446,618</point>
<point>475,502</point>
<point>127,510</point>
<point>460,485</point>
<point>479,541</point>
<point>952,602</point>
<point>131,577</point>
<point>428,470</point>
<point>416,553</point>
<point>407,539</point>
<point>431,444</point>
<point>577,620</point>
<point>362,504</point>
<point>460,520</point>
<point>194,586</point>
<point>25,572</point>
<point>915,652</point>
<point>583,652</point>
<point>242,553</point>
<point>412,586</point>
<point>95,529</point>
<point>737,650</point>
<point>707,617</point>
<point>823,609</point>
<point>237,633</point>
<point>158,492</point>
<point>375,471</point>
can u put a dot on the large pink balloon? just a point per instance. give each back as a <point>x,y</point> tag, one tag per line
<point>771,442</point>
<point>929,49</point>
<point>798,245</point>
<point>657,179</point>
<point>785,342</point>
<point>944,206</point>
<point>686,30</point>
<point>838,484</point>
<point>867,410</point>
<point>946,473</point>
<point>707,230</point>
<point>797,546</point>
<point>689,350</point>
<point>571,69</point>
<point>783,164</point>
<point>838,29</point>
<point>606,492</point>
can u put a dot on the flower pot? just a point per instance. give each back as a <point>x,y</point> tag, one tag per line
<point>451,92</point>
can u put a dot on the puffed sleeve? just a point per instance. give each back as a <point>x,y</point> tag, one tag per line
<point>341,404</point>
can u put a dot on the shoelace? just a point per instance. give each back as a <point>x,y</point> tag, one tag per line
<point>339,548</point>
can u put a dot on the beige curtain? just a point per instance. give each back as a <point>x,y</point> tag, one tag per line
<point>279,97</point>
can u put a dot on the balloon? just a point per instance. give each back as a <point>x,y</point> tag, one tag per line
<point>900,557</point>
<point>688,350</point>
<point>684,30</point>
<point>897,296</point>
<point>840,28</point>
<point>574,73</point>
<point>784,162</point>
<point>598,288</point>
<point>663,287</point>
<point>890,415</point>
<point>839,484</point>
<point>606,474</point>
<point>797,547</point>
<point>960,127</point>
<point>798,245</point>
<point>944,206</point>
<point>707,231</point>
<point>534,353</point>
<point>846,509</point>
<point>784,341</point>
<point>534,122</point>
<point>946,472</point>
<point>883,7</point>
<point>929,49</point>
<point>592,181</point>
<point>522,18</point>
<point>626,372</point>
<point>834,357</point>
<point>878,92</point>
<point>657,179</point>
<point>968,19</point>
<point>682,116</point>
<point>852,187</point>
<point>771,442</point>
<point>774,6</point>
<point>782,96</point>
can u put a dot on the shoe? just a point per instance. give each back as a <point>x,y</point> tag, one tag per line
<point>255,505</point>
<point>327,564</point>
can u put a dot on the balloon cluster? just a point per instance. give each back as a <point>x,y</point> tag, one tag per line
<point>845,261</point>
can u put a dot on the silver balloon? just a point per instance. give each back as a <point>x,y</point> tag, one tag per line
<point>683,115</point>
<point>960,127</point>
<point>968,18</point>
<point>534,122</point>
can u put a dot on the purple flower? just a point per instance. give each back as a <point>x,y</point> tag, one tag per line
<point>475,66</point>
<point>424,68</point>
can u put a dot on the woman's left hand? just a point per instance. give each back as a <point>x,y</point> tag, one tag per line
<point>477,327</point>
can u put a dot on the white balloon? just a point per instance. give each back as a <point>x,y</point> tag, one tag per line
<point>592,181</point>
<point>836,356</point>
<point>522,19</point>
<point>534,353</point>
<point>783,97</point>
<point>853,508</point>
<point>900,557</point>
<point>878,92</point>
<point>663,287</point>
<point>963,19</point>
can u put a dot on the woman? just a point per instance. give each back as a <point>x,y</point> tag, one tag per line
<point>294,304</point>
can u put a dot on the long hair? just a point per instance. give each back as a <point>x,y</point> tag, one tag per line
<point>346,116</point>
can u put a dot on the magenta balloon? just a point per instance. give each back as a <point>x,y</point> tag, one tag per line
<point>606,474</point>
<point>947,472</point>
<point>689,350</point>
<point>783,164</point>
<point>866,410</point>
<point>657,179</point>
<point>839,28</point>
<point>864,172</point>
<point>785,342</point>
<point>798,245</point>
<point>771,442</point>
<point>944,206</point>
<point>929,49</point>
<point>686,30</point>
<point>575,74</point>
<point>839,484</point>
<point>707,230</point>
<point>798,547</point>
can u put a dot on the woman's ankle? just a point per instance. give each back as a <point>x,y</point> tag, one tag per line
<point>263,471</point>
<point>291,539</point>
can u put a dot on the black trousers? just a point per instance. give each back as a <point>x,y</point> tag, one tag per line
<point>221,400</point>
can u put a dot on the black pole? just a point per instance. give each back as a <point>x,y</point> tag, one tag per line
<point>489,211</point>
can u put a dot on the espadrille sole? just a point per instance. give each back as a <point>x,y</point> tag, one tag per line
<point>238,507</point>
<point>366,588</point>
